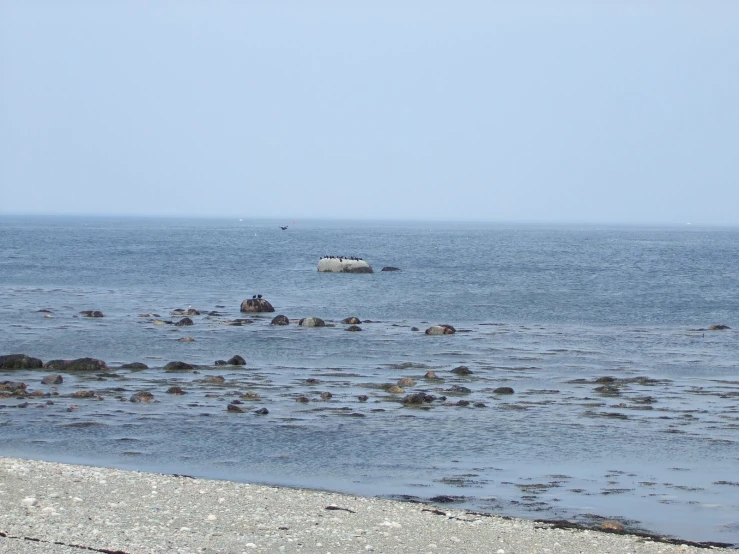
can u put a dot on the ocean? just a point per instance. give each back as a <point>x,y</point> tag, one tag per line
<point>625,405</point>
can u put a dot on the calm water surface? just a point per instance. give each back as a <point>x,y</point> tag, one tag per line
<point>547,311</point>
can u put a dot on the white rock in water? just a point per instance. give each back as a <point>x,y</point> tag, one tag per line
<point>342,265</point>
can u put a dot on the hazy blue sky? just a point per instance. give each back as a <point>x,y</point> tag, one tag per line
<point>591,111</point>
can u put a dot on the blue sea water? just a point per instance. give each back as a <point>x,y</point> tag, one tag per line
<point>546,310</point>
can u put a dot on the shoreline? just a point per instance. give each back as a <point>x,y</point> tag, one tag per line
<point>58,507</point>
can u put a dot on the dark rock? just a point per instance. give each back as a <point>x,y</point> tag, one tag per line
<point>363,397</point>
<point>180,311</point>
<point>718,327</point>
<point>237,409</point>
<point>463,403</point>
<point>15,387</point>
<point>430,375</point>
<point>92,313</point>
<point>22,405</point>
<point>175,366</point>
<point>135,365</point>
<point>351,321</point>
<point>608,390</point>
<point>462,370</point>
<point>142,396</point>
<point>84,394</point>
<point>183,322</point>
<point>261,411</point>
<point>217,379</point>
<point>175,390</point>
<point>221,362</point>
<point>236,360</point>
<point>503,390</point>
<point>460,390</point>
<point>312,381</point>
<point>390,268</point>
<point>53,379</point>
<point>250,395</point>
<point>443,499</point>
<point>418,398</point>
<point>354,328</point>
<point>441,330</point>
<point>326,396</point>
<point>415,329</point>
<point>312,322</point>
<point>280,320</point>
<point>605,380</point>
<point>20,361</point>
<point>302,399</point>
<point>44,311</point>
<point>479,405</point>
<point>80,364</point>
<point>254,305</point>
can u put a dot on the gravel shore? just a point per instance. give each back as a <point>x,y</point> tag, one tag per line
<point>60,508</point>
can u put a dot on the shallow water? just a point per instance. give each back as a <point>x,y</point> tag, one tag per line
<point>546,311</point>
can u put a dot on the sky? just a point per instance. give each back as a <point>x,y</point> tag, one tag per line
<point>503,111</point>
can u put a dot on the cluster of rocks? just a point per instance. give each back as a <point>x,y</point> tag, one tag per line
<point>22,361</point>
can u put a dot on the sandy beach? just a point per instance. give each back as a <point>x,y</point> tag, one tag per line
<point>53,507</point>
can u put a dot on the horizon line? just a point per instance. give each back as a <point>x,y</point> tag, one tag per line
<point>368,219</point>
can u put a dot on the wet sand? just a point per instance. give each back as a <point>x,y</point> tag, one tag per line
<point>52,507</point>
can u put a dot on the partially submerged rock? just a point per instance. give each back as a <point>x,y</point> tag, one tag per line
<point>236,360</point>
<point>312,322</point>
<point>80,364</point>
<point>135,365</point>
<point>91,313</point>
<point>462,370</point>
<point>354,328</point>
<point>280,320</point>
<point>351,321</point>
<point>142,396</point>
<point>441,330</point>
<point>418,398</point>
<point>503,390</point>
<point>14,387</point>
<point>185,321</point>
<point>254,305</point>
<point>180,312</point>
<point>343,265</point>
<point>390,268</point>
<point>53,379</point>
<point>20,361</point>
<point>178,366</point>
